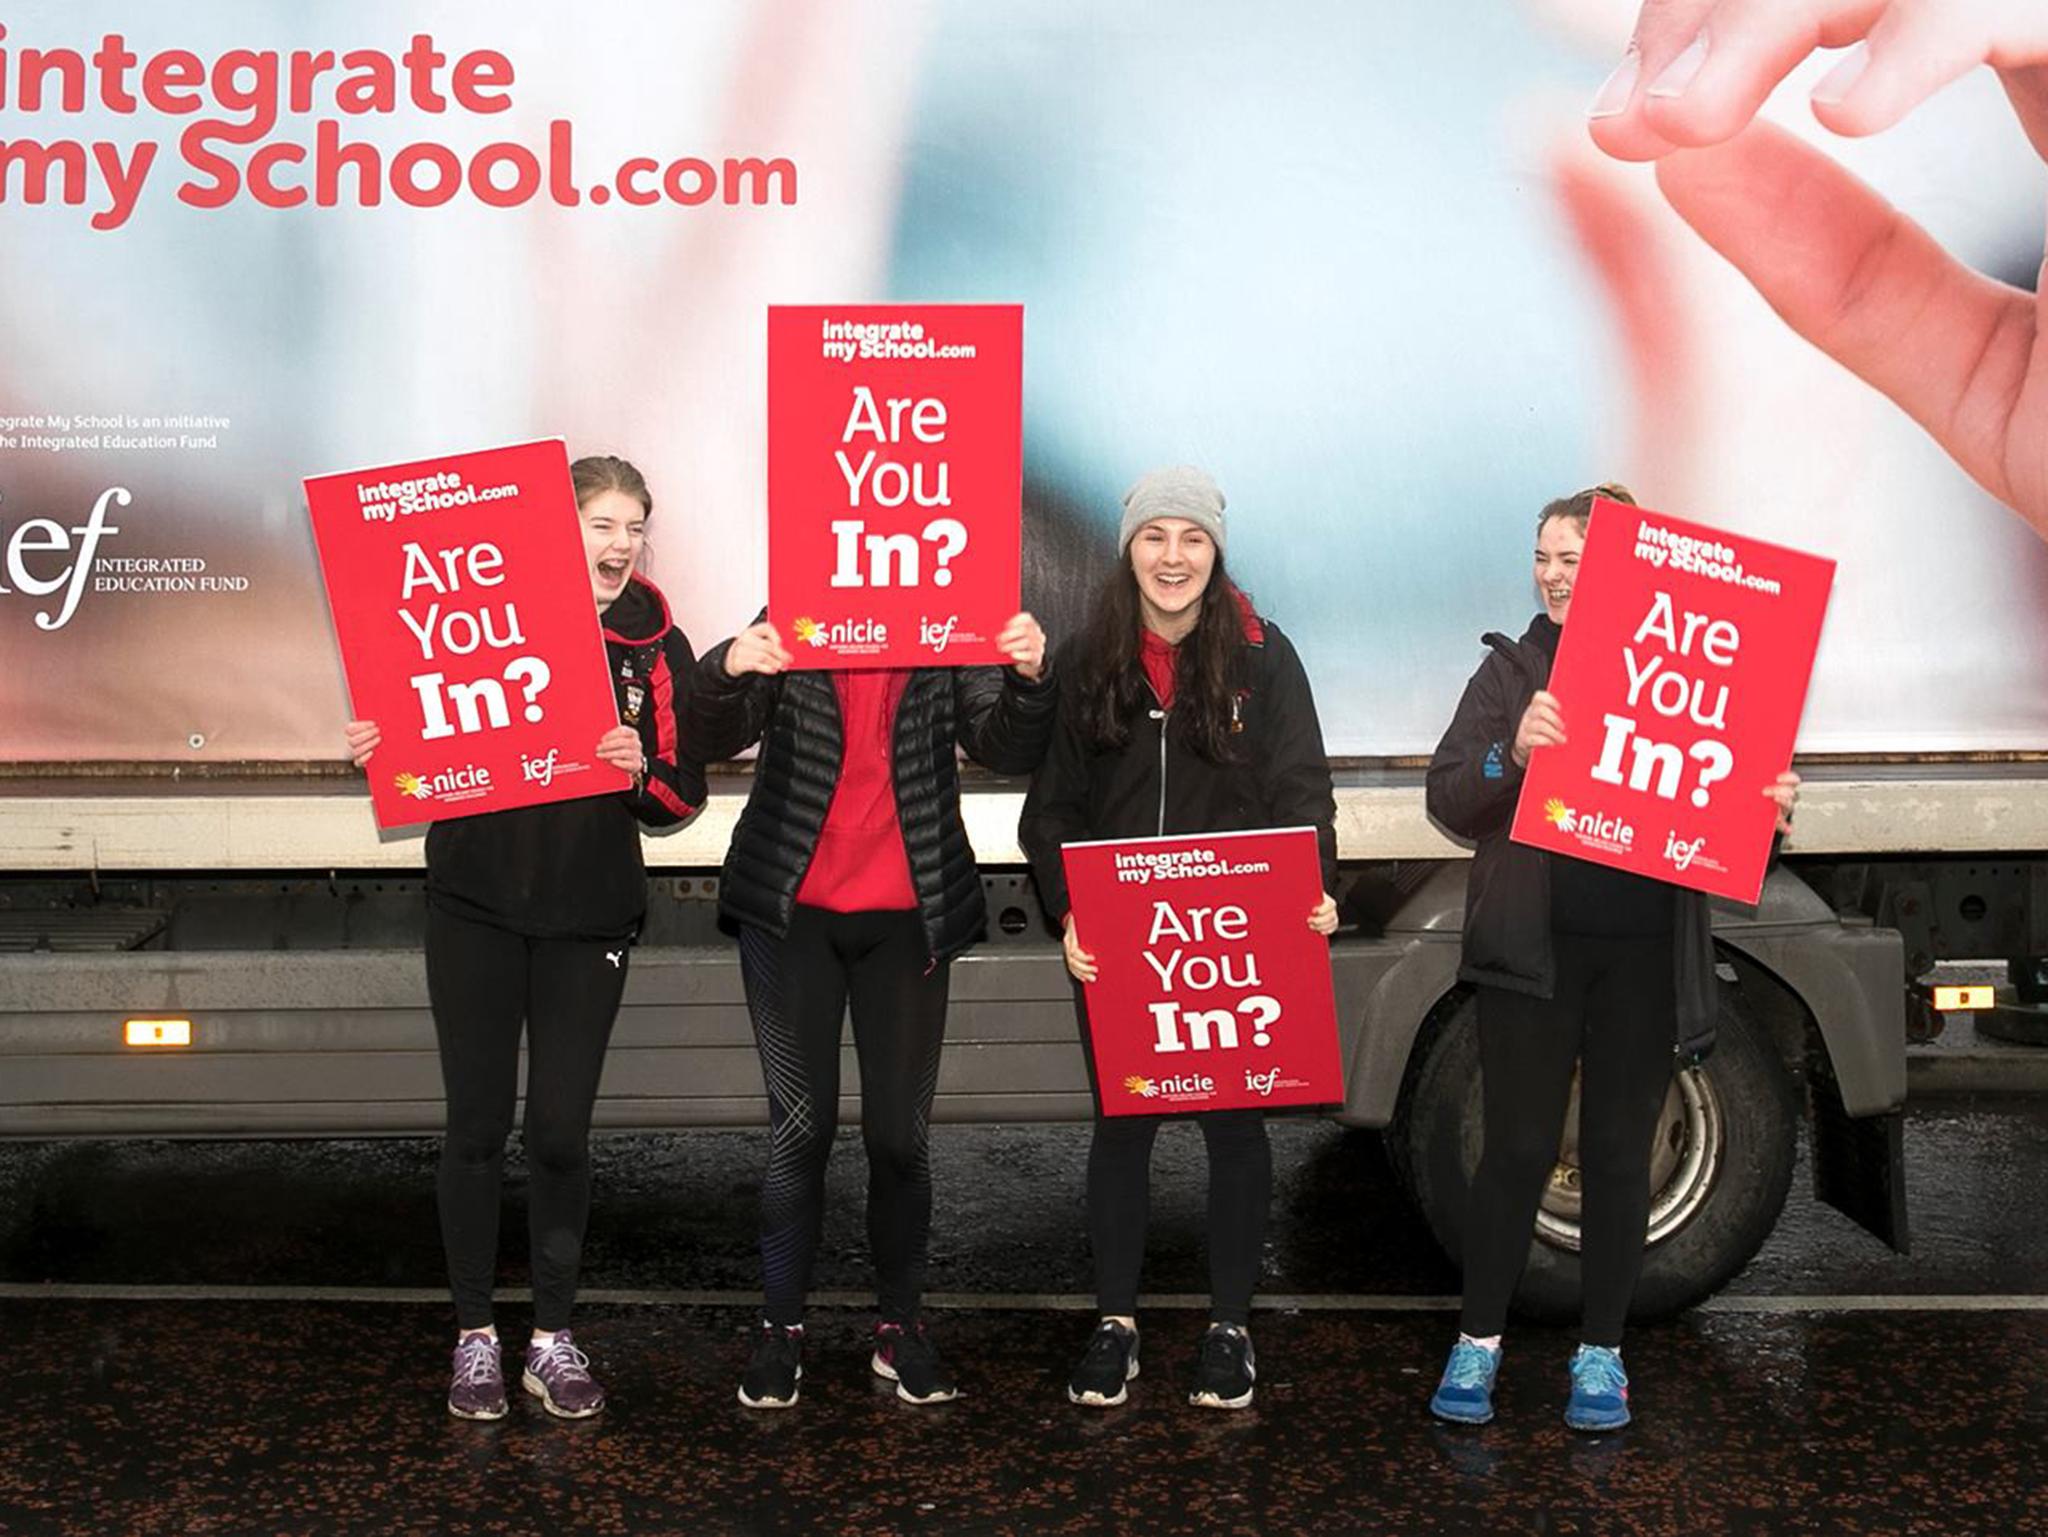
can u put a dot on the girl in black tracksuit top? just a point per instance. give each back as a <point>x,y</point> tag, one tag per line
<point>1131,758</point>
<point>531,917</point>
<point>1575,964</point>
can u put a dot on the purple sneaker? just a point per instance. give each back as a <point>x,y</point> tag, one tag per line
<point>477,1390</point>
<point>559,1376</point>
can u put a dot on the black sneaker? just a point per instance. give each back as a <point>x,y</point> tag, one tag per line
<point>1225,1370</point>
<point>910,1360</point>
<point>1109,1362</point>
<point>772,1377</point>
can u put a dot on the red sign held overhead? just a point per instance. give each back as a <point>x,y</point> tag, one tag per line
<point>1212,991</point>
<point>462,601</point>
<point>895,481</point>
<point>1680,677</point>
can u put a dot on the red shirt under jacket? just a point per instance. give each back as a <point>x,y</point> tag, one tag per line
<point>860,865</point>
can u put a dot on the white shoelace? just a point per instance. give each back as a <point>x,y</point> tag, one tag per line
<point>563,1357</point>
<point>476,1360</point>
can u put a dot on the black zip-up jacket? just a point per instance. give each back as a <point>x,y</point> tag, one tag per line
<point>1277,776</point>
<point>997,717</point>
<point>572,869</point>
<point>1472,787</point>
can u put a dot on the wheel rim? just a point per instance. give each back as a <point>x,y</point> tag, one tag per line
<point>1685,1159</point>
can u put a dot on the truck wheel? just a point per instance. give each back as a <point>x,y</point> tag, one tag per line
<point>1719,1172</point>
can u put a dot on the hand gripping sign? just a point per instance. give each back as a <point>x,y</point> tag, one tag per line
<point>895,481</point>
<point>1212,992</point>
<point>462,603</point>
<point>1680,677</point>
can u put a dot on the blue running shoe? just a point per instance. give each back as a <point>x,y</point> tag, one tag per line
<point>1599,1398</point>
<point>1465,1396</point>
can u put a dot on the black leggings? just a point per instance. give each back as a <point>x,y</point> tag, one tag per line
<point>485,983</point>
<point>798,989</point>
<point>1614,1013</point>
<point>1120,1201</point>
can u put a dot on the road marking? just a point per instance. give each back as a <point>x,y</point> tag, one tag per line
<point>1966,1303</point>
<point>1033,1302</point>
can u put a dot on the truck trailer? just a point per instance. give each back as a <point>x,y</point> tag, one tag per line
<point>241,957</point>
<point>1232,247</point>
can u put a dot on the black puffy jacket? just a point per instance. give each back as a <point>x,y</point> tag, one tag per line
<point>1472,788</point>
<point>1156,783</point>
<point>1000,720</point>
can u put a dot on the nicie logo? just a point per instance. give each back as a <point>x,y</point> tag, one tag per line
<point>841,632</point>
<point>1183,1085</point>
<point>471,777</point>
<point>1588,826</point>
<point>37,544</point>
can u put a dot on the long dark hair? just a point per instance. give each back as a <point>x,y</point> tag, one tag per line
<point>1111,683</point>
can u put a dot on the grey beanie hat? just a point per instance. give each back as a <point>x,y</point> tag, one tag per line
<point>1177,492</point>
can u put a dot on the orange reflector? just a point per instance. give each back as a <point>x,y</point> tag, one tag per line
<point>1951,1000</point>
<point>158,1032</point>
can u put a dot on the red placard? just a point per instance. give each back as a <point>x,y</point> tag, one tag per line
<point>1681,675</point>
<point>1212,991</point>
<point>895,481</point>
<point>462,602</point>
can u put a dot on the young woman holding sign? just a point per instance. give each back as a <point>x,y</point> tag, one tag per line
<point>531,915</point>
<point>1182,712</point>
<point>1575,964</point>
<point>852,883</point>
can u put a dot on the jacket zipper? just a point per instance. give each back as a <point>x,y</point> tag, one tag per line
<point>1160,716</point>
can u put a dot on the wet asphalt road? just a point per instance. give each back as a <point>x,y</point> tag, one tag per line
<point>1835,1387</point>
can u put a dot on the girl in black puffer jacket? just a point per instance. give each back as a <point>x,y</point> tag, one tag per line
<point>1181,712</point>
<point>852,882</point>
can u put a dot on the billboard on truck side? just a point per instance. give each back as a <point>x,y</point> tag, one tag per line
<point>248,243</point>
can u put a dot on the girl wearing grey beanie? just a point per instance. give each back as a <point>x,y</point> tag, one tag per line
<point>1182,711</point>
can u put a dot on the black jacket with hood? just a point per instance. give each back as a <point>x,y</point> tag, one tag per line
<point>1001,720</point>
<point>1157,783</point>
<point>1472,787</point>
<point>572,869</point>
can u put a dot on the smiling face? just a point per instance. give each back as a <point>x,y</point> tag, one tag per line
<point>1172,559</point>
<point>1558,544</point>
<point>614,530</point>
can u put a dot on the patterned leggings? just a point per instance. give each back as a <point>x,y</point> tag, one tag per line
<point>798,991</point>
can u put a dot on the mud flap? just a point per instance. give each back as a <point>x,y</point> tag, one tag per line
<point>1859,1162</point>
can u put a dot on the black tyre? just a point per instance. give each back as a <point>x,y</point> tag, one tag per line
<point>1720,1169</point>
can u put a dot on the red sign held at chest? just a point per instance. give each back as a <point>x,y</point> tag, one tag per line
<point>1212,991</point>
<point>468,630</point>
<point>895,481</point>
<point>1681,677</point>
